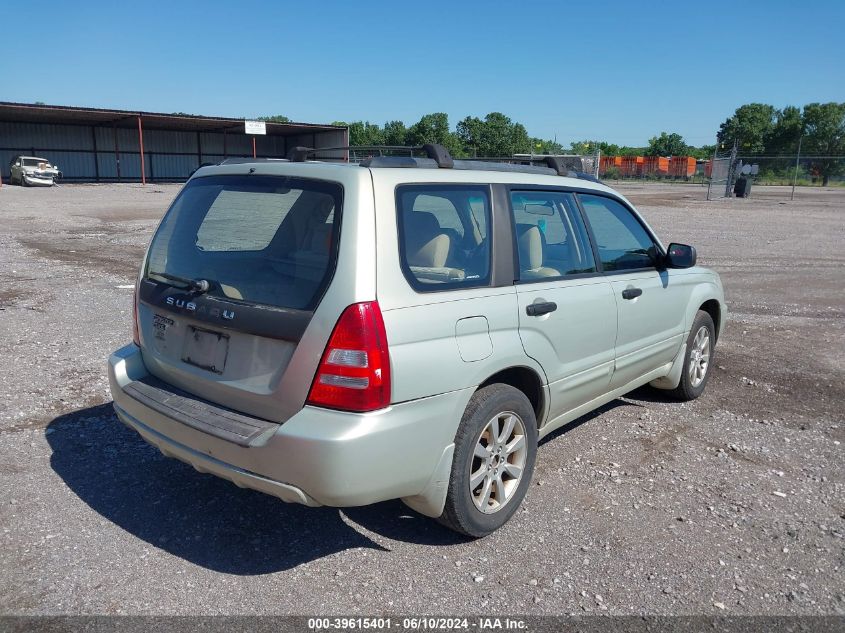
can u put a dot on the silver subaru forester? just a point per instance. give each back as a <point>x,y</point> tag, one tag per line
<point>343,334</point>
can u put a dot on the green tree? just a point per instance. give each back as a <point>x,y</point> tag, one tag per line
<point>502,137</point>
<point>395,133</point>
<point>788,127</point>
<point>824,135</point>
<point>750,125</point>
<point>667,145</point>
<point>539,146</point>
<point>434,128</point>
<point>609,149</point>
<point>704,152</point>
<point>470,132</point>
<point>590,147</point>
<point>274,118</point>
<point>363,133</point>
<point>584,147</point>
<point>496,135</point>
<point>626,150</point>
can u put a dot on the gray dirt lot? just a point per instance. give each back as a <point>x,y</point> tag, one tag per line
<point>731,504</point>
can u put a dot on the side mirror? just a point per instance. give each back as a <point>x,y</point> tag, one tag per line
<point>680,256</point>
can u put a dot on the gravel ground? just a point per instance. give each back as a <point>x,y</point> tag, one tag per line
<point>732,504</point>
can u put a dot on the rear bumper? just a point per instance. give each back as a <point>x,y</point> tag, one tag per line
<point>318,456</point>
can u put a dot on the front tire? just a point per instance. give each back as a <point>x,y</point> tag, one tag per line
<point>495,452</point>
<point>699,358</point>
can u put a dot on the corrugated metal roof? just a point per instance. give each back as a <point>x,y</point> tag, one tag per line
<point>69,115</point>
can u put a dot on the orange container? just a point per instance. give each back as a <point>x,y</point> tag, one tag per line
<point>681,166</point>
<point>655,166</point>
<point>607,162</point>
<point>632,165</point>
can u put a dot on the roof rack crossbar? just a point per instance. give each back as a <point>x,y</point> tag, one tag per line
<point>436,152</point>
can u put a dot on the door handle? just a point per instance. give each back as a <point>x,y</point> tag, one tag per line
<point>631,293</point>
<point>541,308</point>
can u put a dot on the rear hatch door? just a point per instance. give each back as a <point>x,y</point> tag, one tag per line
<point>231,281</point>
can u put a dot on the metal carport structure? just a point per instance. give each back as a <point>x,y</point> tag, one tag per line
<point>99,145</point>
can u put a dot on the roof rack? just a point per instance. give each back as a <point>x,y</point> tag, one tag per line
<point>238,160</point>
<point>438,157</point>
<point>435,152</point>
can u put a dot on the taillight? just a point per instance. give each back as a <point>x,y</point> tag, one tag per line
<point>136,337</point>
<point>354,372</point>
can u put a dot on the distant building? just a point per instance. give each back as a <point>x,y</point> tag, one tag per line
<point>96,145</point>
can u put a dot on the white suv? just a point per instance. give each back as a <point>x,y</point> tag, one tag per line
<point>342,334</point>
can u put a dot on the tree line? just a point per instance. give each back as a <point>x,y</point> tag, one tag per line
<point>757,129</point>
<point>494,135</point>
<point>763,130</point>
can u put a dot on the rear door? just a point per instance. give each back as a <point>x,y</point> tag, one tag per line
<point>567,313</point>
<point>651,302</point>
<point>232,280</point>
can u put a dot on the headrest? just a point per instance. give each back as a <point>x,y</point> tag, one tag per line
<point>530,242</point>
<point>421,222</point>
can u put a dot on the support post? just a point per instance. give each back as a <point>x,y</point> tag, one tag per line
<point>141,147</point>
<point>797,159</point>
<point>96,156</point>
<point>253,147</point>
<point>199,150</point>
<point>116,151</point>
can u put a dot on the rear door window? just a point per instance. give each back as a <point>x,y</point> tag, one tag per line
<point>443,235</point>
<point>260,239</point>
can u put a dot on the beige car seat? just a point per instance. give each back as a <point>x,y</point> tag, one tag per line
<point>427,249</point>
<point>530,242</point>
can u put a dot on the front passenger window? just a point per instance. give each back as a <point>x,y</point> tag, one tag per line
<point>623,243</point>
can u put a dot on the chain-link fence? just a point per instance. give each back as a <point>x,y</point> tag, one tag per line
<point>720,171</point>
<point>776,176</point>
<point>802,171</point>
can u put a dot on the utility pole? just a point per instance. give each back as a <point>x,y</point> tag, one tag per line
<point>797,159</point>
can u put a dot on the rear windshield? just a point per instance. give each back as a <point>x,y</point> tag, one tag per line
<point>260,239</point>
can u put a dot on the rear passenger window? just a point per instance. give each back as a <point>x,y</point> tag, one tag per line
<point>443,235</point>
<point>551,241</point>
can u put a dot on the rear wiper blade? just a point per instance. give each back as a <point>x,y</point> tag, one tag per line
<point>200,285</point>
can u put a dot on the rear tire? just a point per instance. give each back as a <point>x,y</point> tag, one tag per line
<point>698,360</point>
<point>495,452</point>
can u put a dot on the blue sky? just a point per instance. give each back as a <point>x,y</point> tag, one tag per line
<point>616,71</point>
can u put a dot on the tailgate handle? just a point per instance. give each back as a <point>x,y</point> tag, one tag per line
<point>541,308</point>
